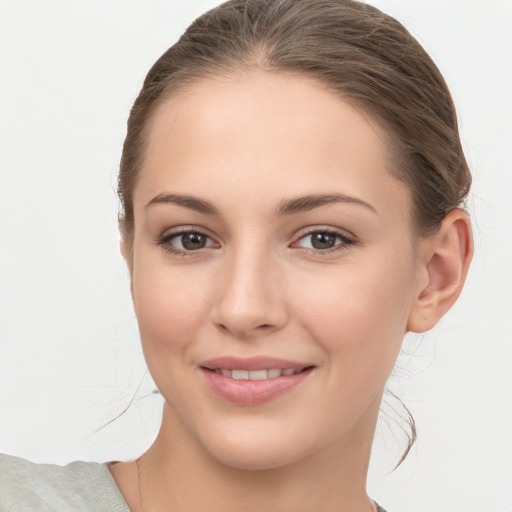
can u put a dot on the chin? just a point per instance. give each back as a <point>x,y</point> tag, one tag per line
<point>257,449</point>
<point>258,457</point>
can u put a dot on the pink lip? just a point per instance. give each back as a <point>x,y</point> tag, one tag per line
<point>251,363</point>
<point>252,392</point>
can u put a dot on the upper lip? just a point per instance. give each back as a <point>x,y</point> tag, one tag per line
<point>251,363</point>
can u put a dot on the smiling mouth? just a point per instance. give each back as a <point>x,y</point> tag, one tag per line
<point>263,374</point>
<point>250,387</point>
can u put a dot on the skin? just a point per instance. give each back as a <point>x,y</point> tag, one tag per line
<point>246,145</point>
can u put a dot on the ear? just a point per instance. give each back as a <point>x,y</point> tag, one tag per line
<point>445,259</point>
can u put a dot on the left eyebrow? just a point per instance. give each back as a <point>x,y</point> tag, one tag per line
<point>194,203</point>
<point>305,203</point>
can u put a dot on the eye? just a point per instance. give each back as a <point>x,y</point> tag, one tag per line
<point>185,241</point>
<point>322,240</point>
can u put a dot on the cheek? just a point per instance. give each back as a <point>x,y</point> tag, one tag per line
<point>170,305</point>
<point>170,308</point>
<point>359,316</point>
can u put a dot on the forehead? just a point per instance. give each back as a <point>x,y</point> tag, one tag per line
<point>247,132</point>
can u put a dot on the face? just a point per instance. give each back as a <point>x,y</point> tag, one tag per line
<point>274,267</point>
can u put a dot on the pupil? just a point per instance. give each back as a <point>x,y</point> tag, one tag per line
<point>193,241</point>
<point>323,240</point>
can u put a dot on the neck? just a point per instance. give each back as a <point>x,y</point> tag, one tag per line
<point>177,474</point>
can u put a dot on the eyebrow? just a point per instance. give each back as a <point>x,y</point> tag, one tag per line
<point>199,205</point>
<point>287,207</point>
<point>306,203</point>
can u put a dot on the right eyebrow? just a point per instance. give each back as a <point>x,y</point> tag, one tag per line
<point>198,205</point>
<point>306,203</point>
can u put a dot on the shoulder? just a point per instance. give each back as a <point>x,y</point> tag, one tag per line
<point>79,486</point>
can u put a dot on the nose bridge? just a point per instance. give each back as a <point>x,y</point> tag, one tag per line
<point>250,300</point>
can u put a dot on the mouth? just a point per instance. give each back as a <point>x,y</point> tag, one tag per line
<point>253,381</point>
<point>272,373</point>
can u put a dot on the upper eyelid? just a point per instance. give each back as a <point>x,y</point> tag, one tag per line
<point>179,230</point>
<point>301,233</point>
<point>167,235</point>
<point>344,233</point>
<point>348,239</point>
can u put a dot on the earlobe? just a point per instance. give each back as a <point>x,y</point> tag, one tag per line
<point>445,262</point>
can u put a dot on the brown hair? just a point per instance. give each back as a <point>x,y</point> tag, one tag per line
<point>368,57</point>
<point>364,55</point>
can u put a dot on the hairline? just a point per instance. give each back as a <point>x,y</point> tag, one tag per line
<point>174,90</point>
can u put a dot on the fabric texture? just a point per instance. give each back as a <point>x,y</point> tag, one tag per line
<point>77,487</point>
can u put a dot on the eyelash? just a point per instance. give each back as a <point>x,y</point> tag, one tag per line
<point>345,241</point>
<point>164,241</point>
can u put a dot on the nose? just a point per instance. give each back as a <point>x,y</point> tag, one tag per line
<point>251,301</point>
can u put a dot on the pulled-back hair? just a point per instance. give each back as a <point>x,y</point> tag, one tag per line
<point>352,48</point>
<point>366,56</point>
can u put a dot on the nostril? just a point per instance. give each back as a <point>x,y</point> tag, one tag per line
<point>235,328</point>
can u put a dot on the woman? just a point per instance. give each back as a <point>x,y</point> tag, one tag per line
<point>292,187</point>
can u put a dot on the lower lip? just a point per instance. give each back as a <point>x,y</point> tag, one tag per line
<point>252,392</point>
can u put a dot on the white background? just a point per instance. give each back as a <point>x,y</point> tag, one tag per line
<point>69,353</point>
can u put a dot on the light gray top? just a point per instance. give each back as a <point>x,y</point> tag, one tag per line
<point>77,487</point>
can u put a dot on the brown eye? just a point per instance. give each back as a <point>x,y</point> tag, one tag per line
<point>324,241</point>
<point>185,242</point>
<point>192,241</point>
<point>320,240</point>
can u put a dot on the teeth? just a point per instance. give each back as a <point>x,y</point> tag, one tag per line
<point>258,374</point>
<point>275,372</point>
<point>240,374</point>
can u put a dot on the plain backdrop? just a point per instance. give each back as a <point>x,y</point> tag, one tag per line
<point>70,360</point>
